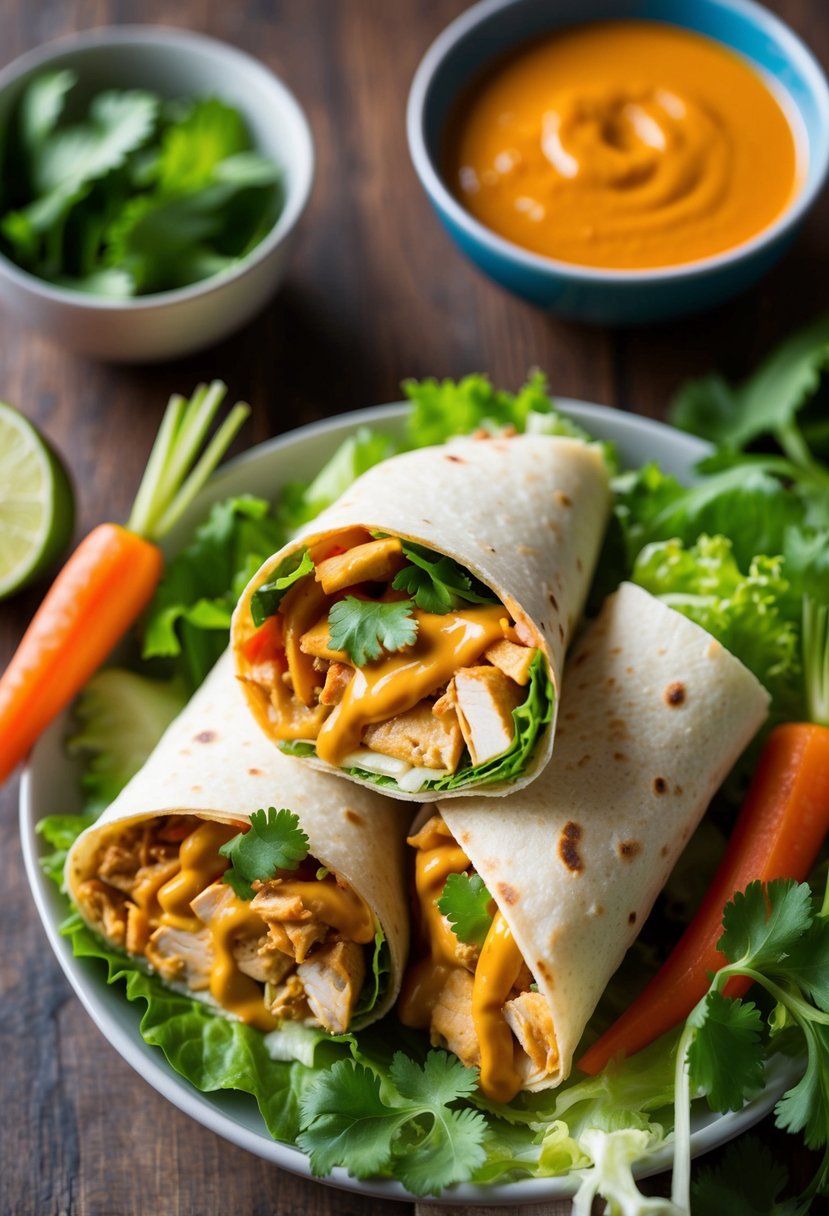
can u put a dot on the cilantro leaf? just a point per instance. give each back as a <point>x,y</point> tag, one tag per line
<point>266,598</point>
<point>805,1107</point>
<point>364,628</point>
<point>192,147</point>
<point>465,903</point>
<point>438,584</point>
<point>403,1126</point>
<point>761,924</point>
<point>747,1182</point>
<point>807,963</point>
<point>274,841</point>
<point>725,1056</point>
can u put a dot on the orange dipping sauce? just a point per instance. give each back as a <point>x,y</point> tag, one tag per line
<point>623,145</point>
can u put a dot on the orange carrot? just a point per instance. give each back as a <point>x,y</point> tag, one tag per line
<point>110,578</point>
<point>779,831</point>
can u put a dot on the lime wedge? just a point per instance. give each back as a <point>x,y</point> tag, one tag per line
<point>37,508</point>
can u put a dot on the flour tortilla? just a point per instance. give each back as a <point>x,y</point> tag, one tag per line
<point>213,762</point>
<point>654,714</point>
<point>524,514</point>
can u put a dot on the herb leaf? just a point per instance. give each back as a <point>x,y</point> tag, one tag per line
<point>725,1056</point>
<point>407,1127</point>
<point>275,841</point>
<point>761,925</point>
<point>364,628</point>
<point>266,598</point>
<point>747,1182</point>
<point>465,903</point>
<point>438,584</point>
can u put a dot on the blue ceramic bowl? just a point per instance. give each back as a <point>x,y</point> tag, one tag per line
<point>616,297</point>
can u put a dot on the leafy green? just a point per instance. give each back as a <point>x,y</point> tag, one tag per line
<point>750,613</point>
<point>726,1057</point>
<point>300,502</point>
<point>403,1124</point>
<point>747,1182</point>
<point>122,716</point>
<point>274,841</point>
<point>465,903</point>
<point>443,408</point>
<point>188,620</point>
<point>267,597</point>
<point>137,196</point>
<point>365,628</point>
<point>613,1154</point>
<point>61,832</point>
<point>438,584</point>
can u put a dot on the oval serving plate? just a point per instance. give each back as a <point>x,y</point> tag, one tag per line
<point>51,778</point>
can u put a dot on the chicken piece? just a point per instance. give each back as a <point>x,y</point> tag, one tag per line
<point>333,978</point>
<point>289,1003</point>
<point>138,930</point>
<point>337,679</point>
<point>181,957</point>
<point>209,901</point>
<point>376,562</point>
<point>293,928</point>
<point>302,604</point>
<point>259,958</point>
<point>485,699</point>
<point>452,1024</point>
<point>419,738</point>
<point>120,863</point>
<point>105,908</point>
<point>528,1017</point>
<point>514,661</point>
<point>316,641</point>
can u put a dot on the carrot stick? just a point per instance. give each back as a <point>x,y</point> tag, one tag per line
<point>99,593</point>
<point>779,831</point>
<point>110,578</point>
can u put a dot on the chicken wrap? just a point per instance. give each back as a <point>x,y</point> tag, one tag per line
<point>525,916</point>
<point>271,891</point>
<point>413,636</point>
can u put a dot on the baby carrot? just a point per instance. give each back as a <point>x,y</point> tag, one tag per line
<point>779,831</point>
<point>110,578</point>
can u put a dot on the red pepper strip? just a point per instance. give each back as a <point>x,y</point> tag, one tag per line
<point>267,644</point>
<point>779,831</point>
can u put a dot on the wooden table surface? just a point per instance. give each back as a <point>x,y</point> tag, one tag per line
<point>375,293</point>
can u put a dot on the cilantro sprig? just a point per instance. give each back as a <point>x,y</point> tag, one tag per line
<point>438,584</point>
<point>275,841</point>
<point>465,903</point>
<point>405,1125</point>
<point>774,936</point>
<point>365,628</point>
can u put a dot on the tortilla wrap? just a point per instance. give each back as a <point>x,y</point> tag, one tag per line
<point>655,713</point>
<point>524,515</point>
<point>213,762</point>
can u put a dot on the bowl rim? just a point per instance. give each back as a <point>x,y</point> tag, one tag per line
<point>790,44</point>
<point>148,37</point>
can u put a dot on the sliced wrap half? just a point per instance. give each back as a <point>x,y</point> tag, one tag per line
<point>413,635</point>
<point>655,712</point>
<point>323,943</point>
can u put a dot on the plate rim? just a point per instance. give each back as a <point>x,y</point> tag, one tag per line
<point>150,1063</point>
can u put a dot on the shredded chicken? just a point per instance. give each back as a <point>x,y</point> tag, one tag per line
<point>452,1024</point>
<point>292,927</point>
<point>289,1003</point>
<point>514,661</point>
<point>105,908</point>
<point>138,930</point>
<point>337,679</point>
<point>181,957</point>
<point>485,699</point>
<point>261,960</point>
<point>419,738</point>
<point>528,1017</point>
<point>333,977</point>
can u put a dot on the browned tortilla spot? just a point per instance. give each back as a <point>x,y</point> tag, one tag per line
<point>567,850</point>
<point>581,658</point>
<point>544,971</point>
<point>616,650</point>
<point>354,818</point>
<point>628,849</point>
<point>195,789</point>
<point>584,760</point>
<point>561,631</point>
<point>675,694</point>
<point>618,728</point>
<point>661,650</point>
<point>562,499</point>
<point>455,459</point>
<point>464,838</point>
<point>663,852</point>
<point>632,918</point>
<point>205,736</point>
<point>659,785</point>
<point>619,756</point>
<point>507,893</point>
<point>611,680</point>
<point>677,790</point>
<point>254,772</point>
<point>553,601</point>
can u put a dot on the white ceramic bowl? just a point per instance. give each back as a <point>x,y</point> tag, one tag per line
<point>174,63</point>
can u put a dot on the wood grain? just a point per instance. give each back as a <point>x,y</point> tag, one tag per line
<point>376,292</point>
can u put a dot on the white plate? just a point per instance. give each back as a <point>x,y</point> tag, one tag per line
<point>50,784</point>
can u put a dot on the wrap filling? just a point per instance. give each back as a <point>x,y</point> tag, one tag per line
<point>471,988</point>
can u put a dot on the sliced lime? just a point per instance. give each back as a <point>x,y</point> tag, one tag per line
<point>37,507</point>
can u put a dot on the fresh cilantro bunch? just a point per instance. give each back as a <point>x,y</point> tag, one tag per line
<point>403,1124</point>
<point>774,936</point>
<point>274,841</point>
<point>126,193</point>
